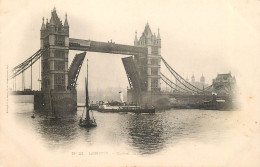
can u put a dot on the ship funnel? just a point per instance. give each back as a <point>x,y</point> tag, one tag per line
<point>121,96</point>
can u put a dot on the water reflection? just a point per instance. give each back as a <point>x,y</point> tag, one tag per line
<point>88,134</point>
<point>150,134</point>
<point>146,133</point>
<point>141,133</point>
<point>58,132</point>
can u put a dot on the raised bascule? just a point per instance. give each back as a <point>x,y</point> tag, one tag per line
<point>142,66</point>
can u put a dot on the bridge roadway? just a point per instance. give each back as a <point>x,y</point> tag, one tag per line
<point>25,92</point>
<point>170,94</point>
<point>109,47</point>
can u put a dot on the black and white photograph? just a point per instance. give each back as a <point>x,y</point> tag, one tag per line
<point>130,83</point>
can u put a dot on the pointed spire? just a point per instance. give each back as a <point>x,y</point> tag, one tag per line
<point>136,39</point>
<point>193,78</point>
<point>202,78</point>
<point>66,24</point>
<point>54,17</point>
<point>147,24</point>
<point>52,21</point>
<point>158,36</point>
<point>136,36</point>
<point>154,36</point>
<point>147,30</point>
<point>43,25</point>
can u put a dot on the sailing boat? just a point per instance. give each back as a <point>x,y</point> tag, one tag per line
<point>87,121</point>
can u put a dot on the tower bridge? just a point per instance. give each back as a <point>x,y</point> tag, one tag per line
<point>103,47</point>
<point>143,68</point>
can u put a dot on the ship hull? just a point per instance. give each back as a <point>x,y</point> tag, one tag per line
<point>87,124</point>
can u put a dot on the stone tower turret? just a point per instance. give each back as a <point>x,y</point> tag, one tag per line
<point>202,79</point>
<point>136,40</point>
<point>153,58</point>
<point>55,36</point>
<point>193,79</point>
<point>159,38</point>
<point>66,25</point>
<point>43,30</point>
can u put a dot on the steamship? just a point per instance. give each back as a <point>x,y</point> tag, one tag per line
<point>121,107</point>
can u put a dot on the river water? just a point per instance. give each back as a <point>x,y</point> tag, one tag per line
<point>172,137</point>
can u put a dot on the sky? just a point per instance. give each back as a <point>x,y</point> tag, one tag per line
<point>198,37</point>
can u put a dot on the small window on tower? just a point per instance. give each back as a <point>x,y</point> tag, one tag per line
<point>59,40</point>
<point>154,62</point>
<point>155,50</point>
<point>154,71</point>
<point>59,54</point>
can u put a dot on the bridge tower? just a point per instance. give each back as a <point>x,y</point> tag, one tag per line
<point>149,69</point>
<point>153,59</point>
<point>55,35</point>
<point>54,62</point>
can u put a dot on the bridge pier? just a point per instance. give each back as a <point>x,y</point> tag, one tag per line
<point>38,102</point>
<point>64,102</point>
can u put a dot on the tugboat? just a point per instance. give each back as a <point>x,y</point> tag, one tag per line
<point>216,104</point>
<point>87,122</point>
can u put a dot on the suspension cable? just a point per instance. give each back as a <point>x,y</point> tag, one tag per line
<point>178,77</point>
<point>165,79</point>
<point>207,88</point>
<point>27,63</point>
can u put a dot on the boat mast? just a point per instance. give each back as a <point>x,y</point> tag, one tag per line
<point>87,96</point>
